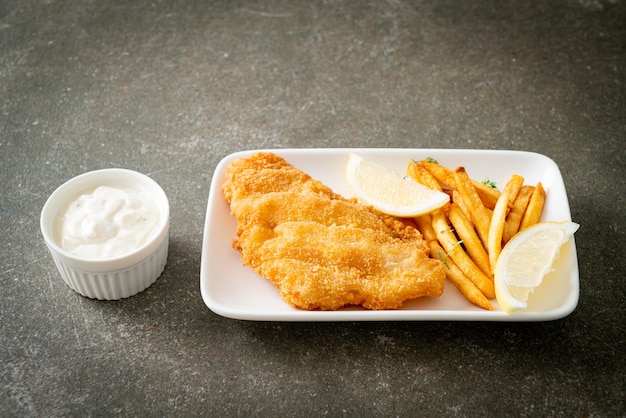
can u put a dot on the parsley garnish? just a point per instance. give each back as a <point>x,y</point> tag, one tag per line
<point>444,257</point>
<point>489,183</point>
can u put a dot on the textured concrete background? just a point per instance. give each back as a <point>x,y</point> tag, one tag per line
<point>169,88</point>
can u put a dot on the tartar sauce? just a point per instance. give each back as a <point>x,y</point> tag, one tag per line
<point>106,223</point>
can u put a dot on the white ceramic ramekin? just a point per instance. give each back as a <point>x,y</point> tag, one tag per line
<point>113,278</point>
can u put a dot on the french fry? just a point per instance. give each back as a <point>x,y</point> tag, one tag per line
<point>413,172</point>
<point>498,218</point>
<point>443,174</point>
<point>465,231</point>
<point>514,218</point>
<point>488,195</point>
<point>425,226</point>
<point>532,214</point>
<point>478,212</point>
<point>455,250</point>
<point>458,199</point>
<point>460,280</point>
<point>420,174</point>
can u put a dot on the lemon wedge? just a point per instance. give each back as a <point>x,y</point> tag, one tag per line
<point>526,259</point>
<point>389,192</point>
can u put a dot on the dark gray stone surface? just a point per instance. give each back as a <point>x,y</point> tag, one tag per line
<point>169,88</point>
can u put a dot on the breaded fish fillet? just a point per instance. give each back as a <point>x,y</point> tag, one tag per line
<point>323,251</point>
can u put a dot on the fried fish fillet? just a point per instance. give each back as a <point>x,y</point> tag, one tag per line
<point>320,250</point>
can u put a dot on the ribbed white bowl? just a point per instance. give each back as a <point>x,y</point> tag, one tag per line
<point>118,277</point>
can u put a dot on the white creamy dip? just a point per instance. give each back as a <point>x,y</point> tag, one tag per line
<point>106,223</point>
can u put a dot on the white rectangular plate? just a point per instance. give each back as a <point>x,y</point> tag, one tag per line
<point>234,291</point>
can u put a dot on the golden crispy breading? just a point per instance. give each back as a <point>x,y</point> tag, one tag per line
<point>320,250</point>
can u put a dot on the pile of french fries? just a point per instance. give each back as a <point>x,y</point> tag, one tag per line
<point>469,233</point>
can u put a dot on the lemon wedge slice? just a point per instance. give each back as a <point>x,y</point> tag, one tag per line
<point>389,192</point>
<point>526,259</point>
